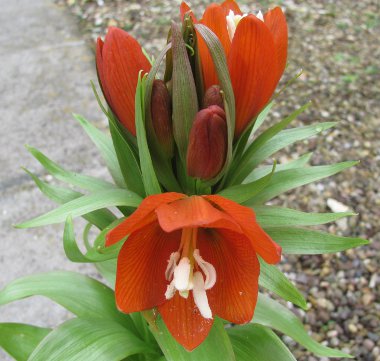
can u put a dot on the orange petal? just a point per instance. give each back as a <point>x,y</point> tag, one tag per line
<point>252,63</point>
<point>232,5</point>
<point>234,294</point>
<point>193,211</point>
<point>122,61</point>
<point>141,265</point>
<point>245,217</point>
<point>143,215</point>
<point>276,22</point>
<point>215,19</point>
<point>184,9</point>
<point>100,71</point>
<point>184,322</point>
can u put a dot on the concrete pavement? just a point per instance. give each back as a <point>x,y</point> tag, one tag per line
<point>45,72</point>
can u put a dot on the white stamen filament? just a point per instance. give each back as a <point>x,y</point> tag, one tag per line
<point>183,279</point>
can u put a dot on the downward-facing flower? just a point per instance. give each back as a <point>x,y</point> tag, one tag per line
<point>119,59</point>
<point>256,51</point>
<point>192,258</point>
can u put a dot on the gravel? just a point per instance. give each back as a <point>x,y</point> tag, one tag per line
<point>336,44</point>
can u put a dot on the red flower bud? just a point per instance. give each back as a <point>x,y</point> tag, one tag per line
<point>207,149</point>
<point>161,112</point>
<point>213,97</point>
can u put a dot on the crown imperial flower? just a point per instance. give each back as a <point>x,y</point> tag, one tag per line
<point>192,258</point>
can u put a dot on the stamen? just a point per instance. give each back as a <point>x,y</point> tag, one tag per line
<point>200,296</point>
<point>170,291</point>
<point>207,268</point>
<point>182,274</point>
<point>172,263</point>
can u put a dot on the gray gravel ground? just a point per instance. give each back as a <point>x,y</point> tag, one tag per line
<point>336,43</point>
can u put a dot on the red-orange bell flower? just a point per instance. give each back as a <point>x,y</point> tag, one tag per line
<point>204,244</point>
<point>256,51</point>
<point>119,60</point>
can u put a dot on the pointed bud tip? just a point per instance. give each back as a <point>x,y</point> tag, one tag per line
<point>207,148</point>
<point>213,96</point>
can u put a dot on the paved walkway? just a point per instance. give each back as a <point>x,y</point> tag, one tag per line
<point>45,72</point>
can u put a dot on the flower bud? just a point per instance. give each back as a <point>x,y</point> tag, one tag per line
<point>213,97</point>
<point>161,112</point>
<point>207,149</point>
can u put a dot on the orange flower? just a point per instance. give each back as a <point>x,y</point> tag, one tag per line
<point>256,51</point>
<point>192,258</point>
<point>119,60</point>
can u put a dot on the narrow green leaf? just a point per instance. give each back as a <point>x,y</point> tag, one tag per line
<point>261,117</point>
<point>129,165</point>
<point>82,339</point>
<point>216,347</point>
<point>81,295</point>
<point>275,281</point>
<point>108,270</point>
<point>286,180</point>
<point>162,164</point>
<point>272,216</point>
<point>243,192</point>
<point>73,252</point>
<point>84,205</point>
<point>306,241</point>
<point>149,177</point>
<point>272,314</point>
<point>185,102</point>
<point>100,218</point>
<point>105,146</point>
<point>257,343</point>
<point>245,165</point>
<point>75,179</point>
<point>282,140</point>
<point>19,340</point>
<point>260,172</point>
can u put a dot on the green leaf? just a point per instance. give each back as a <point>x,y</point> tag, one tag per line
<point>261,117</point>
<point>19,340</point>
<point>79,180</point>
<point>275,281</point>
<point>148,174</point>
<point>185,102</point>
<point>243,192</point>
<point>81,295</point>
<point>100,218</point>
<point>260,172</point>
<point>82,339</point>
<point>257,343</point>
<point>306,241</point>
<point>285,138</point>
<point>286,180</point>
<point>105,146</point>
<point>246,163</point>
<point>108,270</point>
<point>272,216</point>
<point>84,205</point>
<point>216,347</point>
<point>272,314</point>
<point>73,252</point>
<point>129,165</point>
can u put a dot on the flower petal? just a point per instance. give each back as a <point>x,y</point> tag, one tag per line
<point>232,5</point>
<point>234,294</point>
<point>253,67</point>
<point>276,22</point>
<point>245,217</point>
<point>143,215</point>
<point>100,70</point>
<point>184,321</point>
<point>193,211</point>
<point>122,61</point>
<point>214,18</point>
<point>141,266</point>
<point>184,9</point>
